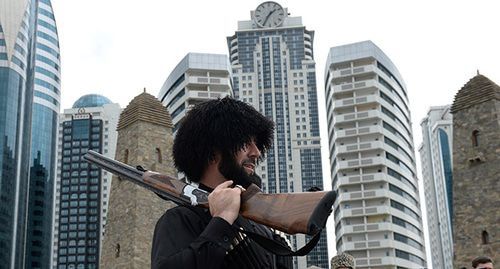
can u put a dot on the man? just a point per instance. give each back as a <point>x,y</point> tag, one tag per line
<point>482,263</point>
<point>342,261</point>
<point>217,145</point>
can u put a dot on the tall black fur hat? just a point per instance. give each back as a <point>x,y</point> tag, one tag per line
<point>222,125</point>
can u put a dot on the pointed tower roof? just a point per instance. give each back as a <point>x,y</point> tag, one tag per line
<point>145,107</point>
<point>479,89</point>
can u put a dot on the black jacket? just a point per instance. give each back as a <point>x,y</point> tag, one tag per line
<point>188,237</point>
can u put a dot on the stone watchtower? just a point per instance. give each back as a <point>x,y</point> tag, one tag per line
<point>476,171</point>
<point>144,138</point>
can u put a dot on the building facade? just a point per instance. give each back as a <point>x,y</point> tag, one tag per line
<point>476,184</point>
<point>436,159</point>
<point>196,78</point>
<point>377,213</point>
<point>82,190</point>
<point>273,70</point>
<point>29,94</point>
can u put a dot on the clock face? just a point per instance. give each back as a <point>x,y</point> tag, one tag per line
<point>269,14</point>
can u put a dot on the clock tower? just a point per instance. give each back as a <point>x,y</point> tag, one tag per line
<point>274,71</point>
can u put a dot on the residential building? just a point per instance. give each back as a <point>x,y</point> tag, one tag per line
<point>377,213</point>
<point>436,158</point>
<point>29,104</point>
<point>82,190</point>
<point>273,70</point>
<point>196,78</point>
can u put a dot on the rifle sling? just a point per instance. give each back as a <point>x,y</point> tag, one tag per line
<point>278,249</point>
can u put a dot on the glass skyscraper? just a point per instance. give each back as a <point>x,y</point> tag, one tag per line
<point>377,213</point>
<point>82,192</point>
<point>436,157</point>
<point>29,103</point>
<point>274,70</point>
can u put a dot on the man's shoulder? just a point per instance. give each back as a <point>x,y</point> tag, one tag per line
<point>185,213</point>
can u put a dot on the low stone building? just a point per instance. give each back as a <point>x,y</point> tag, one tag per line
<point>476,171</point>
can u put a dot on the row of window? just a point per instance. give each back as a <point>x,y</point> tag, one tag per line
<point>48,49</point>
<point>403,194</point>
<point>47,85</point>
<point>410,257</point>
<point>77,250</point>
<point>46,97</point>
<point>405,209</point>
<point>400,163</point>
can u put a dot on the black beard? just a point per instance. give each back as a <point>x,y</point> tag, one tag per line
<point>231,170</point>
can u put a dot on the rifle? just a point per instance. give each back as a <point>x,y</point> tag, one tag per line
<point>292,213</point>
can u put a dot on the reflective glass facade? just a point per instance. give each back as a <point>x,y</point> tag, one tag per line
<point>44,136</point>
<point>436,158</point>
<point>29,93</point>
<point>274,71</point>
<point>91,100</point>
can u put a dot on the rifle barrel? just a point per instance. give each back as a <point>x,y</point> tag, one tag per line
<point>128,172</point>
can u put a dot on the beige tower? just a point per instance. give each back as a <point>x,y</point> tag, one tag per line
<point>144,138</point>
<point>476,171</point>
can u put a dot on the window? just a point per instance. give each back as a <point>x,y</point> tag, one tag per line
<point>125,157</point>
<point>158,155</point>
<point>475,138</point>
<point>485,237</point>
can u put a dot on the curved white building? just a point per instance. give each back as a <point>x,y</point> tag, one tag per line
<point>377,213</point>
<point>196,78</point>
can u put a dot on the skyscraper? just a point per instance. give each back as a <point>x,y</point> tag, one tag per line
<point>196,78</point>
<point>30,93</point>
<point>274,70</point>
<point>377,213</point>
<point>82,190</point>
<point>436,157</point>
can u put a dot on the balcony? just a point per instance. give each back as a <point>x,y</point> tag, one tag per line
<point>206,95</point>
<point>356,101</point>
<point>357,179</point>
<point>363,146</point>
<point>355,116</point>
<point>354,86</point>
<point>361,162</point>
<point>357,131</point>
<point>353,71</point>
<point>361,228</point>
<point>213,82</point>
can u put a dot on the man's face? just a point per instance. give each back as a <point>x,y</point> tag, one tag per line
<point>487,265</point>
<point>241,168</point>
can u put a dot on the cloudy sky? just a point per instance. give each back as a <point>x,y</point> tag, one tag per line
<point>118,47</point>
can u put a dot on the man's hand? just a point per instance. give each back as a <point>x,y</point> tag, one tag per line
<point>224,202</point>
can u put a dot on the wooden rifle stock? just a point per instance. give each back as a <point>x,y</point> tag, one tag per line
<point>304,212</point>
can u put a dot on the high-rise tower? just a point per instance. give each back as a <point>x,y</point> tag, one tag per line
<point>436,158</point>
<point>377,213</point>
<point>196,78</point>
<point>29,101</point>
<point>82,190</point>
<point>274,70</point>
